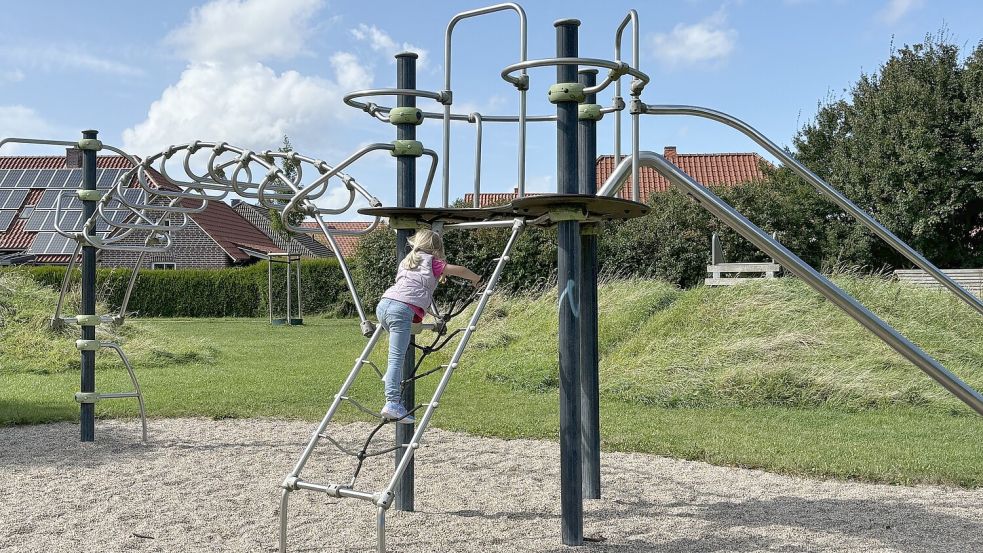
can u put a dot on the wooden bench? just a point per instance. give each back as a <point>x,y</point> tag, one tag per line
<point>970,279</point>
<point>716,272</point>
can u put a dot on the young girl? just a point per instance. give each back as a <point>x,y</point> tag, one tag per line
<point>406,302</point>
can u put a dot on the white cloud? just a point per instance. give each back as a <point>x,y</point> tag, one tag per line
<point>381,42</point>
<point>21,121</point>
<point>226,93</point>
<point>897,9</point>
<point>64,56</point>
<point>709,40</point>
<point>12,76</point>
<point>245,30</point>
<point>248,105</point>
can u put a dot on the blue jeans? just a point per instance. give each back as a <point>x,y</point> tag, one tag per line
<point>396,317</point>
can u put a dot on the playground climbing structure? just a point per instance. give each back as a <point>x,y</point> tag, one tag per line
<point>213,171</point>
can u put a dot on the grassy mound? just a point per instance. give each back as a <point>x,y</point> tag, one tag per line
<point>767,343</point>
<point>28,345</point>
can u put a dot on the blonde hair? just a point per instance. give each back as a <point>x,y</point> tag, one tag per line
<point>426,241</point>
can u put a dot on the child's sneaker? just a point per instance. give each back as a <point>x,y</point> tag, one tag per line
<point>396,411</point>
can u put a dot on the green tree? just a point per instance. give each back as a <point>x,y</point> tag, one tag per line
<point>294,218</point>
<point>904,146</point>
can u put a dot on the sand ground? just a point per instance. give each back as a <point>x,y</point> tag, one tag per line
<point>204,485</point>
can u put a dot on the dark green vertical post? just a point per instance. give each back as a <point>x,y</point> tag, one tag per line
<point>590,431</point>
<point>567,277</point>
<point>405,197</point>
<point>87,420</point>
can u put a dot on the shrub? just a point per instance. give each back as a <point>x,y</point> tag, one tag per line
<point>234,292</point>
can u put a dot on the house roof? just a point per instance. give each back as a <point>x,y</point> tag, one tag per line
<point>347,243</point>
<point>226,227</point>
<point>304,244</point>
<point>709,169</point>
<point>230,230</point>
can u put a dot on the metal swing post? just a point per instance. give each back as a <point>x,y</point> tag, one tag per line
<point>405,197</point>
<point>87,419</point>
<point>565,95</point>
<point>590,432</point>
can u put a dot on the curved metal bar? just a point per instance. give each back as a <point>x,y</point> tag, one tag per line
<point>333,244</point>
<point>721,210</point>
<point>293,204</point>
<point>477,158</point>
<point>632,17</point>
<point>832,193</point>
<point>590,62</point>
<point>350,100</point>
<point>522,83</point>
<point>433,171</point>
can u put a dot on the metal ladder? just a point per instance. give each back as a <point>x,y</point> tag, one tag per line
<point>58,321</point>
<point>383,499</point>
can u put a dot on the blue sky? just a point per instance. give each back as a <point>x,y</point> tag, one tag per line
<point>148,74</point>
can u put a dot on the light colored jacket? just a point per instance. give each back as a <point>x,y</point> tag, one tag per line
<point>415,286</point>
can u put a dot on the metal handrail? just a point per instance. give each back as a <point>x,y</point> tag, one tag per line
<point>835,195</point>
<point>520,82</point>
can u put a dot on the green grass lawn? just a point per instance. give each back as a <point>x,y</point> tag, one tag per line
<point>764,378</point>
<point>293,372</point>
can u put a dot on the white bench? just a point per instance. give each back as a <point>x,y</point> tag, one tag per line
<point>970,279</point>
<point>717,271</point>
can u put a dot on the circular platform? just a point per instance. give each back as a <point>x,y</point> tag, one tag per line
<point>432,214</point>
<point>592,208</point>
<point>541,210</point>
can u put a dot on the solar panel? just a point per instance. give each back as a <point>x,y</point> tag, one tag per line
<point>41,242</point>
<point>70,220</point>
<point>15,199</point>
<point>12,177</point>
<point>44,177</point>
<point>28,178</point>
<point>74,179</point>
<point>59,178</point>
<point>4,195</point>
<point>108,178</point>
<point>40,220</point>
<point>3,174</point>
<point>7,217</point>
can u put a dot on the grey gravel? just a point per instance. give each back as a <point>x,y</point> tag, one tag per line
<point>205,485</point>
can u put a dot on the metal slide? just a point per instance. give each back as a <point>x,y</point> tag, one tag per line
<point>723,211</point>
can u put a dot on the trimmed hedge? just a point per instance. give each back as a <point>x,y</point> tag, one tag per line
<point>234,292</point>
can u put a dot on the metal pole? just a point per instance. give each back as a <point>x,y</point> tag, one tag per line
<point>269,285</point>
<point>88,412</point>
<point>590,429</point>
<point>288,291</point>
<point>567,273</point>
<point>300,300</point>
<point>405,197</point>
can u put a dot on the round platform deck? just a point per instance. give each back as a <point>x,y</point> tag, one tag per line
<point>541,208</point>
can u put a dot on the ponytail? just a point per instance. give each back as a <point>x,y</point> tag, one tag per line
<point>426,241</point>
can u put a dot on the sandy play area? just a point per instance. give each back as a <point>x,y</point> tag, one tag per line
<point>204,485</point>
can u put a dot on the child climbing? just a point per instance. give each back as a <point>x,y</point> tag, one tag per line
<point>406,302</point>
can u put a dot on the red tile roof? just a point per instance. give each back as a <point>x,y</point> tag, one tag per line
<point>346,243</point>
<point>58,162</point>
<point>708,169</point>
<point>230,230</point>
<point>15,239</point>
